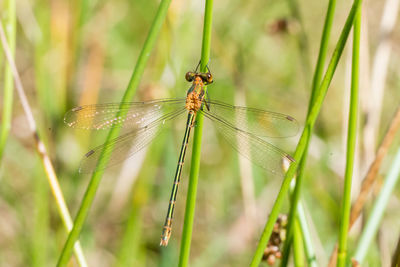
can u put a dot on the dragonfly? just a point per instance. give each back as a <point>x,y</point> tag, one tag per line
<point>242,127</point>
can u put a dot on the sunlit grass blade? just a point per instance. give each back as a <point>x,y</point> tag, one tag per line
<point>378,209</point>
<point>129,93</point>
<point>8,89</point>
<point>301,147</point>
<point>298,251</point>
<point>351,143</point>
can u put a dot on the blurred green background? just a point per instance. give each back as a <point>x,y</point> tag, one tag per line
<point>71,53</point>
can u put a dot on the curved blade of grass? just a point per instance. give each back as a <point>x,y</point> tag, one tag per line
<point>129,93</point>
<point>319,98</point>
<point>314,87</point>
<point>195,163</point>
<point>10,28</point>
<point>378,210</point>
<point>351,143</point>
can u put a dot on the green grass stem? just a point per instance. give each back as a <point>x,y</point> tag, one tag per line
<point>314,87</point>
<point>378,209</point>
<point>323,50</point>
<point>308,246</point>
<point>298,253</point>
<point>301,147</point>
<point>129,93</point>
<point>195,163</point>
<point>351,143</point>
<point>303,234</point>
<point>10,29</point>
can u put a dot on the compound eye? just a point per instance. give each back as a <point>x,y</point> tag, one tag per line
<point>189,76</point>
<point>209,78</point>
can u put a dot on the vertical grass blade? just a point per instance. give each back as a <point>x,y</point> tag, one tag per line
<point>378,210</point>
<point>351,143</point>
<point>195,163</point>
<point>314,87</point>
<point>10,28</point>
<point>323,49</point>
<point>41,148</point>
<point>129,93</point>
<point>298,255</point>
<point>313,114</point>
<point>308,246</point>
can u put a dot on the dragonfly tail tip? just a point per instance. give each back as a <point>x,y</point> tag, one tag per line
<point>163,242</point>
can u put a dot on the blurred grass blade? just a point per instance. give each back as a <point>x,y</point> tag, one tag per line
<point>129,93</point>
<point>301,147</point>
<point>351,143</point>
<point>128,253</point>
<point>378,209</point>
<point>301,41</point>
<point>41,149</point>
<point>10,28</point>
<point>40,219</point>
<point>195,162</point>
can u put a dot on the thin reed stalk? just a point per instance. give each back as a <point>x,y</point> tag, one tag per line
<point>351,143</point>
<point>41,149</point>
<point>301,147</point>
<point>195,163</point>
<point>371,176</point>
<point>10,26</point>
<point>114,132</point>
<point>308,246</point>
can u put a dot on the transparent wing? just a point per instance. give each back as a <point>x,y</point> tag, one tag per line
<point>255,121</point>
<point>105,116</point>
<point>124,146</point>
<point>252,147</point>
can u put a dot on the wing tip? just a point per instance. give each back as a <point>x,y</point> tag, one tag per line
<point>76,108</point>
<point>290,118</point>
<point>89,153</point>
<point>290,158</point>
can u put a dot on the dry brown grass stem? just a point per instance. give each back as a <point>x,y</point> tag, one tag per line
<point>371,176</point>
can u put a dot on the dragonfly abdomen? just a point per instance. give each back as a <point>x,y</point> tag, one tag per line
<point>166,233</point>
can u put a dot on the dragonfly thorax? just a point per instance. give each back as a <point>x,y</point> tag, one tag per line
<point>194,100</point>
<point>195,94</point>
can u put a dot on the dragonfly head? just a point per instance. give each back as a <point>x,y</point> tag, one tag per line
<point>206,78</point>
